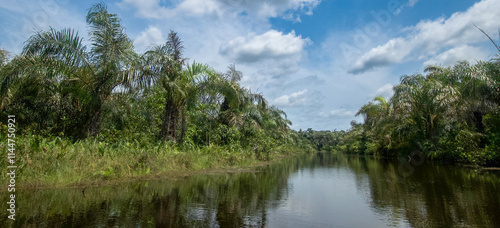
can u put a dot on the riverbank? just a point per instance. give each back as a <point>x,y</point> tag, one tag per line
<point>57,162</point>
<point>428,160</point>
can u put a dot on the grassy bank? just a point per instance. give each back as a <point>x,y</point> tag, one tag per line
<point>58,162</point>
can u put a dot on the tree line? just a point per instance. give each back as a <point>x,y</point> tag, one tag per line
<point>60,87</point>
<point>448,114</point>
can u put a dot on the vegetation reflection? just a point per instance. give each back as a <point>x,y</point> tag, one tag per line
<point>433,196</point>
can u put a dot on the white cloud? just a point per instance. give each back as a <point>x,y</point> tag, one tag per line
<point>385,91</point>
<point>452,56</point>
<point>273,8</point>
<point>270,45</point>
<point>149,37</point>
<point>200,7</point>
<point>272,55</point>
<point>261,9</point>
<point>292,100</point>
<point>337,113</point>
<point>153,8</point>
<point>393,51</point>
<point>428,38</point>
<point>341,112</point>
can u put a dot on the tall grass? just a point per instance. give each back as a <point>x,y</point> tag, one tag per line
<point>57,161</point>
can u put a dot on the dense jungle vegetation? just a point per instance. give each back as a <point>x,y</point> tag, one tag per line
<point>104,111</point>
<point>450,114</point>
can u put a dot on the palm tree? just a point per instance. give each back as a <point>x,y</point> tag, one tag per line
<point>230,89</point>
<point>378,122</point>
<point>87,77</point>
<point>421,105</point>
<point>239,104</point>
<point>227,103</point>
<point>474,86</point>
<point>375,112</point>
<point>163,65</point>
<point>197,85</point>
<point>40,95</point>
<point>277,123</point>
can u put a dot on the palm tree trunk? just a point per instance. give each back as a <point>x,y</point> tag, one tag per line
<point>173,124</point>
<point>170,119</point>
<point>166,129</point>
<point>93,123</point>
<point>183,125</point>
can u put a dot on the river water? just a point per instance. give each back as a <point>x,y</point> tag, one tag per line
<point>311,190</point>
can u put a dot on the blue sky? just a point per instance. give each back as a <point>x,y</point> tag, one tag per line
<point>319,60</point>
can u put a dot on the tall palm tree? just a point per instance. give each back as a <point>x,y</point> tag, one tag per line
<point>378,122</point>
<point>475,87</point>
<point>421,104</point>
<point>197,75</point>
<point>375,112</point>
<point>164,65</point>
<point>239,104</point>
<point>236,106</point>
<point>275,121</point>
<point>88,76</point>
<point>230,89</point>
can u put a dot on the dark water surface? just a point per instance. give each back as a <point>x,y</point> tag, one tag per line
<point>314,190</point>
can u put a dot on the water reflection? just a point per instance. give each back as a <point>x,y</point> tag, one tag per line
<point>313,190</point>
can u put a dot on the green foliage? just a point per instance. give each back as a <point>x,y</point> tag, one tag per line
<point>3,57</point>
<point>66,79</point>
<point>492,148</point>
<point>106,112</point>
<point>320,140</point>
<point>262,146</point>
<point>451,114</point>
<point>224,135</point>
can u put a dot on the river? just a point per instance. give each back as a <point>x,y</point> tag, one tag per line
<point>310,190</point>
